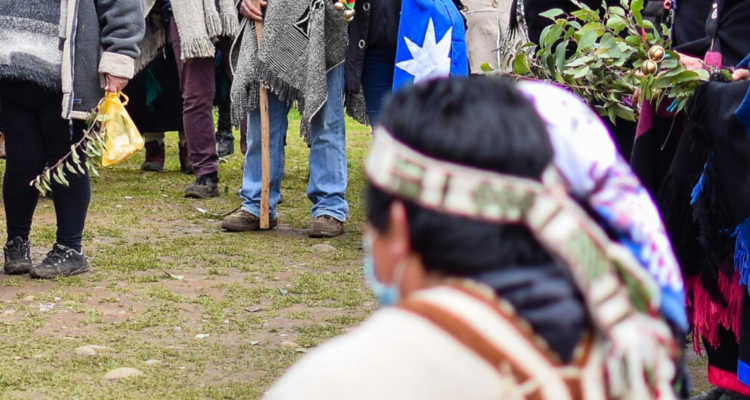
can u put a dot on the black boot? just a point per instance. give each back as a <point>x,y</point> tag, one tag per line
<point>204,187</point>
<point>17,257</point>
<point>61,261</point>
<point>224,136</point>
<point>727,395</point>
<point>224,143</point>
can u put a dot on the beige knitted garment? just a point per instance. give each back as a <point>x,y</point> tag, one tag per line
<point>201,22</point>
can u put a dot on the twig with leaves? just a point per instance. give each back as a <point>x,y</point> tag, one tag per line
<point>91,144</point>
<point>606,59</point>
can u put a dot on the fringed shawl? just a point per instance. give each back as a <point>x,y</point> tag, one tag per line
<point>201,22</point>
<point>302,41</point>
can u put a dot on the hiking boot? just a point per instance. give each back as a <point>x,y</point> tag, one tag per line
<point>155,156</point>
<point>185,165</point>
<point>205,186</point>
<point>61,261</point>
<point>18,257</point>
<point>325,226</point>
<point>224,143</point>
<point>243,221</point>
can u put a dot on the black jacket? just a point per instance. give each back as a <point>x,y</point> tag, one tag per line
<point>375,25</point>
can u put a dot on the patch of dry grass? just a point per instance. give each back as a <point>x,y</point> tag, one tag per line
<point>248,292</point>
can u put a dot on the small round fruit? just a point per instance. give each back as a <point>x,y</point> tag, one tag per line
<point>648,67</point>
<point>656,53</point>
<point>339,6</point>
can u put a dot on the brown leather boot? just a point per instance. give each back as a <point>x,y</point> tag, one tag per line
<point>243,221</point>
<point>204,187</point>
<point>325,226</point>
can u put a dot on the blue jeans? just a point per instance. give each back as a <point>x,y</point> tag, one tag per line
<point>377,79</point>
<point>328,175</point>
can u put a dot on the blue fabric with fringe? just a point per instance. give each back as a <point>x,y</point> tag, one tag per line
<point>741,256</point>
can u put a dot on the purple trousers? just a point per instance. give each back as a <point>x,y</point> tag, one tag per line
<point>198,85</point>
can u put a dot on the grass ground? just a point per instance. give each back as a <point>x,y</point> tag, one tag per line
<point>163,272</point>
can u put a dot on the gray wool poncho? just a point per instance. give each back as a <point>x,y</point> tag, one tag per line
<point>302,41</point>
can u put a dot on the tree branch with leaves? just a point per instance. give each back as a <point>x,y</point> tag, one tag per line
<point>606,58</point>
<point>91,144</point>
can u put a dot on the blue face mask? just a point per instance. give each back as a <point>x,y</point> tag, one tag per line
<point>389,294</point>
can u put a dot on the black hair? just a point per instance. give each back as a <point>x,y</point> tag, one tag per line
<point>484,123</point>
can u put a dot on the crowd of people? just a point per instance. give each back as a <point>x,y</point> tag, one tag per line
<point>511,231</point>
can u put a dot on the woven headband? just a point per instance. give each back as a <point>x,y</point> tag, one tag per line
<point>450,188</point>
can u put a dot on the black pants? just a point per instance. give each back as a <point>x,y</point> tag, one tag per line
<point>36,136</point>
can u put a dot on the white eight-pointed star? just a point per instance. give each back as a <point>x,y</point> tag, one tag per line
<point>432,60</point>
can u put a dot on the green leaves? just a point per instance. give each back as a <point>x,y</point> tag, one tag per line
<point>91,144</point>
<point>605,68</point>
<point>552,14</point>
<point>521,65</point>
<point>635,9</point>
<point>586,41</point>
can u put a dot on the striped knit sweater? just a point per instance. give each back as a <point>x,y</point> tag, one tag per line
<point>30,45</point>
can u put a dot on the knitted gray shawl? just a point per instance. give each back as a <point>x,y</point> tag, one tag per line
<point>201,22</point>
<point>30,42</point>
<point>302,41</point>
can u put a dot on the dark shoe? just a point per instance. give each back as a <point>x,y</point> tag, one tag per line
<point>243,221</point>
<point>727,395</point>
<point>155,156</point>
<point>18,257</point>
<point>185,165</point>
<point>713,394</point>
<point>325,226</point>
<point>205,186</point>
<point>61,261</point>
<point>224,143</point>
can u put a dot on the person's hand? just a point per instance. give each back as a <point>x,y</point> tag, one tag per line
<point>667,5</point>
<point>741,75</point>
<point>115,84</point>
<point>250,11</point>
<point>691,63</point>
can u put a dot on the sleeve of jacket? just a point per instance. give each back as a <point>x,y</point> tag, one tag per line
<point>122,28</point>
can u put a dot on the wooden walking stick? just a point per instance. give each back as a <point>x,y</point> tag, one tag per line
<point>265,133</point>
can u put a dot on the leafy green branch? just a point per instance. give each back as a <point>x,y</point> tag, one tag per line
<point>91,144</point>
<point>607,58</point>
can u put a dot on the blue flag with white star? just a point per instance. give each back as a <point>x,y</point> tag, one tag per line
<point>431,44</point>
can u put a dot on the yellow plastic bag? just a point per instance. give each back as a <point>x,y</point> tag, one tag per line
<point>122,139</point>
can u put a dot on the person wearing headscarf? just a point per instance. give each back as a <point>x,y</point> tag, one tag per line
<point>497,284</point>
